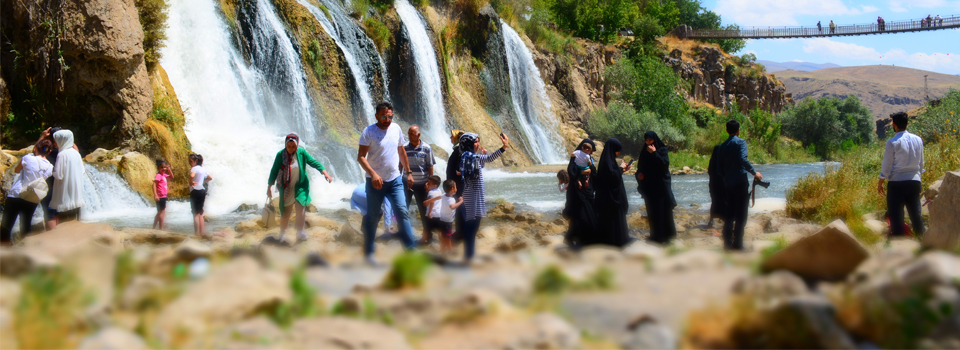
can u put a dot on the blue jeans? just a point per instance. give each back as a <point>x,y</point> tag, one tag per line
<point>393,191</point>
<point>470,228</point>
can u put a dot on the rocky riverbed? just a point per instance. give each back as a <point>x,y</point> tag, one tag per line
<point>93,286</point>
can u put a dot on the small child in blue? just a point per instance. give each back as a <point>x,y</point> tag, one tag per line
<point>583,160</point>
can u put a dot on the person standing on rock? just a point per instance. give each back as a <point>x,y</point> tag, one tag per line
<point>734,168</point>
<point>289,172</point>
<point>611,201</point>
<point>198,191</point>
<point>453,168</point>
<point>902,165</point>
<point>472,163</point>
<point>420,156</point>
<point>160,192</point>
<point>32,167</point>
<point>380,154</point>
<point>68,179</point>
<point>653,183</point>
<point>578,208</point>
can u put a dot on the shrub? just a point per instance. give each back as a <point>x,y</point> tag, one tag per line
<point>826,123</point>
<point>47,313</point>
<point>601,279</point>
<point>153,19</point>
<point>551,280</point>
<point>747,58</point>
<point>359,8</point>
<point>624,123</point>
<point>939,120</point>
<point>593,19</point>
<point>378,32</point>
<point>314,56</point>
<point>649,85</point>
<point>408,271</point>
<point>303,304</point>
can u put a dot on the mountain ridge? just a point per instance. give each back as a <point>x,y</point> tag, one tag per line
<point>798,66</point>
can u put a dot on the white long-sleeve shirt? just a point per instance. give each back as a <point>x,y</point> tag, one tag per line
<point>902,158</point>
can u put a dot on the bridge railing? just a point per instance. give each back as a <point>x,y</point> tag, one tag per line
<point>825,30</point>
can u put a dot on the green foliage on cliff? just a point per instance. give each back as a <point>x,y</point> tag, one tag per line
<point>153,19</point>
<point>829,124</point>
<point>941,119</point>
<point>378,32</point>
<point>314,56</point>
<point>596,20</point>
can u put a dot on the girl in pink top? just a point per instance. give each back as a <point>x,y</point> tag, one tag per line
<point>160,192</point>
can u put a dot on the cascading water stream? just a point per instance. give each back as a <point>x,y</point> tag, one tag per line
<point>428,74</point>
<point>358,50</point>
<point>530,100</point>
<point>105,191</point>
<point>234,115</point>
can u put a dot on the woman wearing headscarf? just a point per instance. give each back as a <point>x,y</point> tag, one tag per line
<point>717,201</point>
<point>290,174</point>
<point>472,163</point>
<point>611,201</point>
<point>453,167</point>
<point>653,183</point>
<point>68,179</point>
<point>579,206</point>
<point>32,167</point>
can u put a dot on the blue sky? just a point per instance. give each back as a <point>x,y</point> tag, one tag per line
<point>923,50</point>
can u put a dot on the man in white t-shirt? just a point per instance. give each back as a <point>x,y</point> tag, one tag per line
<point>380,154</point>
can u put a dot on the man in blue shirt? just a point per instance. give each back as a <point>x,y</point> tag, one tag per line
<point>902,166</point>
<point>734,167</point>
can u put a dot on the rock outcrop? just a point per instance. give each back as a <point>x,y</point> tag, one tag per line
<point>717,80</point>
<point>944,232</point>
<point>86,59</point>
<point>830,254</point>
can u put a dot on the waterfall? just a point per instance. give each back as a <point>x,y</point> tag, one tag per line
<point>530,100</point>
<point>238,112</point>
<point>105,191</point>
<point>358,50</point>
<point>428,75</point>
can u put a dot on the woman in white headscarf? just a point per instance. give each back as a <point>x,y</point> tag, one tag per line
<point>68,179</point>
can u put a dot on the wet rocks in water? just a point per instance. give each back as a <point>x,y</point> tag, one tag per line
<point>944,232</point>
<point>249,226</point>
<point>830,254</point>
<point>244,208</point>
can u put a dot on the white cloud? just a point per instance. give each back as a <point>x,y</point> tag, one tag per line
<point>783,13</point>
<point>829,48</point>
<point>853,54</point>
<point>904,5</point>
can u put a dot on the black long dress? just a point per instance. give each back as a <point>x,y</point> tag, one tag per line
<point>579,205</point>
<point>657,191</point>
<point>611,200</point>
<point>453,165</point>
<point>718,202</point>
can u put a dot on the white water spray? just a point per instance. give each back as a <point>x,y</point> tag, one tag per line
<point>428,73</point>
<point>530,100</point>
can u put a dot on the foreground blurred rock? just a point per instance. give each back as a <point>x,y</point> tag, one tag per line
<point>830,254</point>
<point>944,231</point>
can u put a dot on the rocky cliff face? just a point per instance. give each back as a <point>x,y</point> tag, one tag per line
<point>78,64</point>
<point>717,80</point>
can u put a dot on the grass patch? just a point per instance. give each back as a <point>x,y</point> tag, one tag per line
<point>378,32</point>
<point>553,281</point>
<point>314,55</point>
<point>409,270</point>
<point>126,269</point>
<point>368,310</point>
<point>153,17</point>
<point>49,310</point>
<point>303,304</point>
<point>778,244</point>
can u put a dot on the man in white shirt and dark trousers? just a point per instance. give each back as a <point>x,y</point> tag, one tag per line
<point>380,155</point>
<point>902,166</point>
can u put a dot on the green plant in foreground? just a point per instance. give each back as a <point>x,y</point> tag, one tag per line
<point>47,312</point>
<point>408,271</point>
<point>302,304</point>
<point>551,280</point>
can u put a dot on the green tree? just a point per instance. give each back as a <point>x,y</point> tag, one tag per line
<point>828,123</point>
<point>623,122</point>
<point>940,119</point>
<point>649,85</point>
<point>593,19</point>
<point>666,13</point>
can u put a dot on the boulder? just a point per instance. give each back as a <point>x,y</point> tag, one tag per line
<point>138,170</point>
<point>149,236</point>
<point>63,239</point>
<point>94,265</point>
<point>314,220</point>
<point>515,242</point>
<point>690,260</point>
<point>815,315</point>
<point>230,293</point>
<point>830,254</point>
<point>249,226</point>
<point>640,250</point>
<point>16,262</point>
<point>646,333</point>
<point>875,226</point>
<point>933,190</point>
<point>140,288</point>
<point>113,338</point>
<point>550,332</point>
<point>777,284</point>
<point>191,249</point>
<point>944,232</point>
<point>931,268</point>
<point>501,209</point>
<point>350,235</point>
<point>345,333</point>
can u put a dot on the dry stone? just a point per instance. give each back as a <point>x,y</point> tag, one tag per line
<point>350,235</point>
<point>149,236</point>
<point>944,232</point>
<point>550,332</point>
<point>345,333</point>
<point>63,239</point>
<point>113,338</point>
<point>94,266</point>
<point>222,298</point>
<point>830,254</point>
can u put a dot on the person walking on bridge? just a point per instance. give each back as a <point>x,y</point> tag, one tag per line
<point>938,20</point>
<point>833,27</point>
<point>819,28</point>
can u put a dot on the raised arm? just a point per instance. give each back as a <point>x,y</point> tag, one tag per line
<point>316,165</point>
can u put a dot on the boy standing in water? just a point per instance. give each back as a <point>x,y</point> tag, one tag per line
<point>160,192</point>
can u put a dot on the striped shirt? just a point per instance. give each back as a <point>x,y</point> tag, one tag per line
<point>473,200</point>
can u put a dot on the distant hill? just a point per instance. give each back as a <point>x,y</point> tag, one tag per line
<point>883,89</point>
<point>800,66</point>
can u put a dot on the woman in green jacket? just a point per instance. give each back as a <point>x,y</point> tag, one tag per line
<point>290,175</point>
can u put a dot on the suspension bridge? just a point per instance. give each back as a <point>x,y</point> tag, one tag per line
<point>825,30</point>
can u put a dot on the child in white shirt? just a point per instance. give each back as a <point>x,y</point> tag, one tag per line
<point>447,205</point>
<point>583,160</point>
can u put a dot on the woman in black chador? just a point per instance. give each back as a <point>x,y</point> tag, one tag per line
<point>653,183</point>
<point>579,206</point>
<point>611,201</point>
